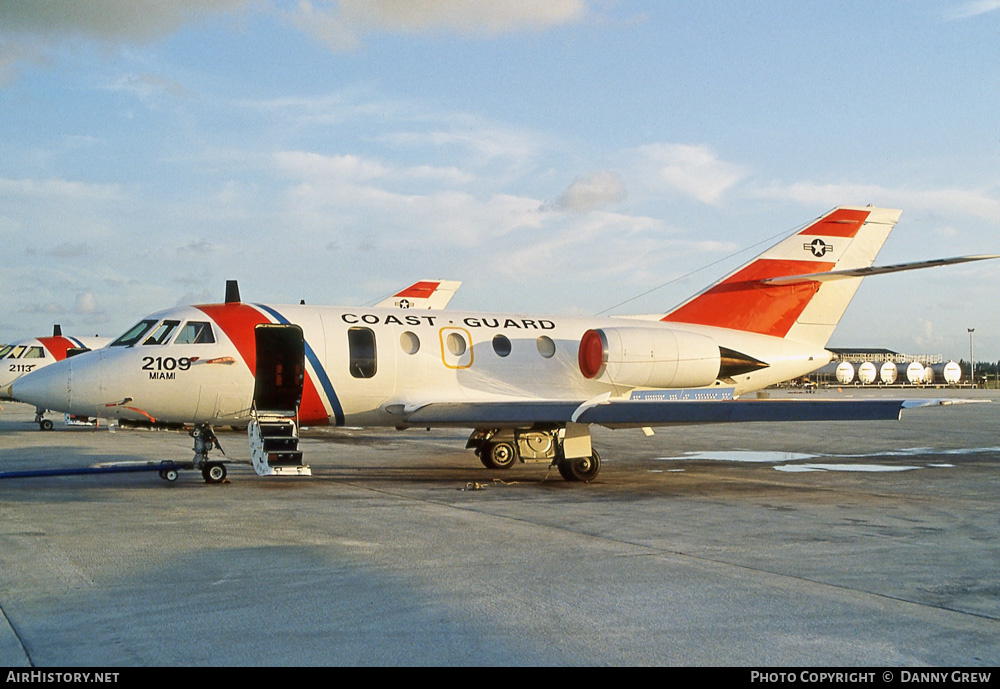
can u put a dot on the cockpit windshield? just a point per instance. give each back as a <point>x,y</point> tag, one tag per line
<point>4,350</point>
<point>133,334</point>
<point>162,333</point>
<point>196,332</point>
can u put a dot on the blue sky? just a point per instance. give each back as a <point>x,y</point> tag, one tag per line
<point>557,157</point>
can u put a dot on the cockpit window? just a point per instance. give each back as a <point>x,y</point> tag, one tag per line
<point>18,351</point>
<point>162,333</point>
<point>134,334</point>
<point>196,332</point>
<point>4,350</point>
<point>34,353</point>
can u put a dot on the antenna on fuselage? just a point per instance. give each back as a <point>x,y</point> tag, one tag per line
<point>56,330</point>
<point>232,292</point>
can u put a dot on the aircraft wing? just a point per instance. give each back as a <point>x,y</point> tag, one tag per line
<point>424,294</point>
<point>640,413</point>
<point>875,270</point>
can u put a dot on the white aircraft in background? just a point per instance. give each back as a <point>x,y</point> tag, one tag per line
<point>21,358</point>
<point>528,386</point>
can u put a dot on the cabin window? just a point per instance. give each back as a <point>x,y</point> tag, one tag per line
<point>456,344</point>
<point>362,348</point>
<point>196,332</point>
<point>546,347</point>
<point>34,353</point>
<point>501,345</point>
<point>409,342</point>
<point>133,334</point>
<point>162,333</point>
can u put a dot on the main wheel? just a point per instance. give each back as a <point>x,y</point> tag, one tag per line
<point>580,468</point>
<point>45,424</point>
<point>214,472</point>
<point>499,456</point>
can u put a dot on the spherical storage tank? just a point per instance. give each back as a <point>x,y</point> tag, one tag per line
<point>845,372</point>
<point>866,373</point>
<point>915,372</point>
<point>952,373</point>
<point>887,374</point>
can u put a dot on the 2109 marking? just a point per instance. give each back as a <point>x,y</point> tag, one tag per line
<point>157,365</point>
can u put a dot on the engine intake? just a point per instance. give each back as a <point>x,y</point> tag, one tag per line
<point>649,357</point>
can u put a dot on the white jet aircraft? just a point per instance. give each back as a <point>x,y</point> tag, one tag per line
<point>21,358</point>
<point>529,387</point>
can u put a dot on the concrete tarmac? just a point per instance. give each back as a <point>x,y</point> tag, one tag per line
<point>782,544</point>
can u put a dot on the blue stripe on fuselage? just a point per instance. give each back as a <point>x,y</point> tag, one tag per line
<point>324,379</point>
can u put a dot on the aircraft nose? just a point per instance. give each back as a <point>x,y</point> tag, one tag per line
<point>48,388</point>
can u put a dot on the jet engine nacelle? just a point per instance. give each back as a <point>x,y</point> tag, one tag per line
<point>650,357</point>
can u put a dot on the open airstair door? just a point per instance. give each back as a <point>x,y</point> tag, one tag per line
<point>279,376</point>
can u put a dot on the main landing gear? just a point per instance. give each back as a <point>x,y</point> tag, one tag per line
<point>213,471</point>
<point>568,449</point>
<point>580,468</point>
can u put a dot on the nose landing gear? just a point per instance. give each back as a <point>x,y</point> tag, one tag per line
<point>212,470</point>
<point>205,440</point>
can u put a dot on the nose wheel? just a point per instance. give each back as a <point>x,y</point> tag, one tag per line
<point>214,472</point>
<point>43,423</point>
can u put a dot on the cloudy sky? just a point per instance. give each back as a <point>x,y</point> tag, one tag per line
<point>557,157</point>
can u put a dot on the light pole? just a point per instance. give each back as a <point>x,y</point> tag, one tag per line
<point>972,358</point>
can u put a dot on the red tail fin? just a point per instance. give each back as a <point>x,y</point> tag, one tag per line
<point>806,311</point>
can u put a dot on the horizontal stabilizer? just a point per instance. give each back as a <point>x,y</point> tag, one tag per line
<point>874,270</point>
<point>425,294</point>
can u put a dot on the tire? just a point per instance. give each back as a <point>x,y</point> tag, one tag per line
<point>499,456</point>
<point>583,469</point>
<point>214,472</point>
<point>45,424</point>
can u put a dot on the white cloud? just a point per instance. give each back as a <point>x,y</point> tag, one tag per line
<point>352,168</point>
<point>61,188</point>
<point>485,144</point>
<point>967,202</point>
<point>591,192</point>
<point>341,24</point>
<point>692,170</point>
<point>117,21</point>
<point>86,303</point>
<point>34,30</point>
<point>974,8</point>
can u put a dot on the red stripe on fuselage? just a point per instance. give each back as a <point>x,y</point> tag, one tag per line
<point>238,322</point>
<point>742,302</point>
<point>842,222</point>
<point>57,345</point>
